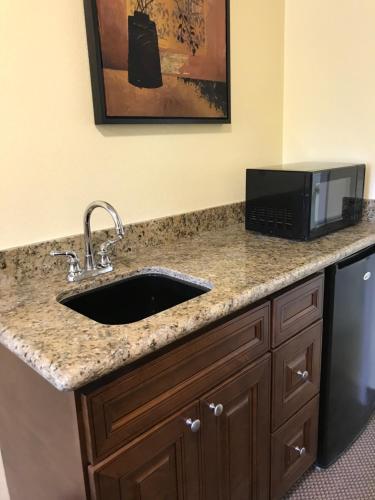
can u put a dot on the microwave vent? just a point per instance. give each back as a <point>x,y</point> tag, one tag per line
<point>278,217</point>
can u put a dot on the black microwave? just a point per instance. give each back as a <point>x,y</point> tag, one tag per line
<point>302,201</point>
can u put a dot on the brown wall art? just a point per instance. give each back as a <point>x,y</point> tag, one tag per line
<point>158,61</point>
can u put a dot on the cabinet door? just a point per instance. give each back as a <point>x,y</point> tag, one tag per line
<point>236,436</point>
<point>162,465</point>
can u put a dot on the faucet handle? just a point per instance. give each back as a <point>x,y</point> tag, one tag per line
<point>104,247</point>
<point>73,260</point>
<point>105,261</point>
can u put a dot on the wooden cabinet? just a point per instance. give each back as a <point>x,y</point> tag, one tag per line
<point>257,408</point>
<point>226,458</point>
<point>297,329</point>
<point>131,436</point>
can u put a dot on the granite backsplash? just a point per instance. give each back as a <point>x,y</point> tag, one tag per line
<point>31,260</point>
<point>369,211</point>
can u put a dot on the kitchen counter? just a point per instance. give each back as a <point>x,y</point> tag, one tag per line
<point>70,350</point>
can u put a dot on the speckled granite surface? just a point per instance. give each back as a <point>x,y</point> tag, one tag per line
<point>70,350</point>
<point>32,260</point>
<point>369,210</point>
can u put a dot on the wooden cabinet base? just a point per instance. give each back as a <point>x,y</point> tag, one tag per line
<point>190,423</point>
<point>227,457</point>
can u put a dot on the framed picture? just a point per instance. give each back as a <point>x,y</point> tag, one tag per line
<point>159,61</point>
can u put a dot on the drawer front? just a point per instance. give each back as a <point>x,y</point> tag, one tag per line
<point>296,373</point>
<point>119,412</point>
<point>162,465</point>
<point>294,448</point>
<point>296,309</point>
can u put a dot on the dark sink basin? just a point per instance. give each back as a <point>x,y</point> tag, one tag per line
<point>133,298</point>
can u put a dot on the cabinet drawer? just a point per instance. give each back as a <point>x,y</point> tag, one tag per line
<point>120,411</point>
<point>163,464</point>
<point>296,309</point>
<point>294,448</point>
<point>296,373</point>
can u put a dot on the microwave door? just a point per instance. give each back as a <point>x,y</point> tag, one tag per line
<point>333,199</point>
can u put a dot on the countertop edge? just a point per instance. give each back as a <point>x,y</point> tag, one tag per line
<point>72,380</point>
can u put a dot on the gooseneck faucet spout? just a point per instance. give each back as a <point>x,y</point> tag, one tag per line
<point>92,268</point>
<point>90,261</point>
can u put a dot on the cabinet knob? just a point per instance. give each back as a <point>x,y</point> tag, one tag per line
<point>303,375</point>
<point>217,409</point>
<point>194,425</point>
<point>300,451</point>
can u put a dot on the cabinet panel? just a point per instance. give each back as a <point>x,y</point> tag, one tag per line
<point>296,309</point>
<point>294,448</point>
<point>236,441</point>
<point>296,373</point>
<point>162,465</point>
<point>127,407</point>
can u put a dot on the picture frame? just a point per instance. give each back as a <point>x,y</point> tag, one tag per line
<point>173,70</point>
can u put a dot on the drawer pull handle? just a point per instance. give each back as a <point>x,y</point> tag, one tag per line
<point>217,409</point>
<point>194,425</point>
<point>303,375</point>
<point>301,451</point>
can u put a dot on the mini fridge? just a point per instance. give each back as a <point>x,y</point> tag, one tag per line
<point>348,363</point>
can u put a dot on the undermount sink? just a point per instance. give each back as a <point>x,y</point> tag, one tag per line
<point>134,298</point>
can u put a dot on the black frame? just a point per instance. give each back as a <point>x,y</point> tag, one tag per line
<point>97,78</point>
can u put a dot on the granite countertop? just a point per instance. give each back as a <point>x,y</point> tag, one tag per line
<point>70,350</point>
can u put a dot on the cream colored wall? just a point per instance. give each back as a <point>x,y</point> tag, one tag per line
<point>329,86</point>
<point>54,160</point>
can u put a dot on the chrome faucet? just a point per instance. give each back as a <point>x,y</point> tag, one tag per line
<point>92,267</point>
<point>90,262</point>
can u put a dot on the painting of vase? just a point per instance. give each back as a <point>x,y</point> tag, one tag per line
<point>155,61</point>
